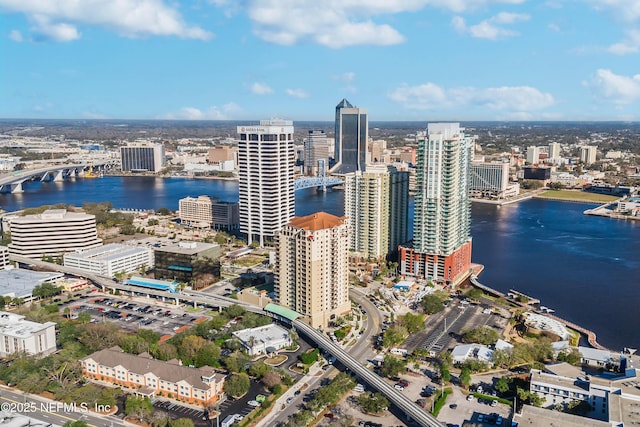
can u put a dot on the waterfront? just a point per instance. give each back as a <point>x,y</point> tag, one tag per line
<point>584,267</point>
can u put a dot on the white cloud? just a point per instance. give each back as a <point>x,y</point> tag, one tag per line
<point>614,87</point>
<point>227,112</point>
<point>341,23</point>
<point>347,77</point>
<point>132,18</point>
<point>490,28</point>
<point>627,10</point>
<point>506,99</point>
<point>16,36</point>
<point>297,93</point>
<point>630,44</point>
<point>261,89</point>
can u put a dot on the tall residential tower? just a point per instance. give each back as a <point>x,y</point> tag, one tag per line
<point>351,137</point>
<point>312,267</point>
<point>266,167</point>
<point>376,207</point>
<point>441,247</point>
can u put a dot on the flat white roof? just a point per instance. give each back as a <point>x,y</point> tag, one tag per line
<point>263,334</point>
<point>14,325</point>
<point>109,252</point>
<point>18,283</point>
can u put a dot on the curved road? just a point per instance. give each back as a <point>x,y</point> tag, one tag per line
<point>407,406</point>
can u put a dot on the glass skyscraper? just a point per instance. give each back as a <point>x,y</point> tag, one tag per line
<point>441,247</point>
<point>351,136</point>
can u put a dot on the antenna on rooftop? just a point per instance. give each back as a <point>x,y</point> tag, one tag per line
<point>631,351</point>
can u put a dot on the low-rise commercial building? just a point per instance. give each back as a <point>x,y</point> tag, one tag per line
<point>19,283</point>
<point>4,257</point>
<point>112,259</point>
<point>20,335</point>
<point>151,377</point>
<point>209,212</point>
<point>263,339</point>
<point>195,263</point>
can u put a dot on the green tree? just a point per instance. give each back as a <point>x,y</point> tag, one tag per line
<point>392,366</point>
<point>139,408</point>
<point>434,302</point>
<point>373,403</point>
<point>465,377</point>
<point>481,335</point>
<point>412,322</point>
<point>78,423</point>
<point>208,355</point>
<point>571,356</point>
<point>84,317</point>
<point>237,385</point>
<point>393,336</point>
<point>258,369</point>
<point>163,211</point>
<point>502,385</point>
<point>46,290</point>
<point>234,311</point>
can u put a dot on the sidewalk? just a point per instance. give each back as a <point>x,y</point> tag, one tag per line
<point>270,418</point>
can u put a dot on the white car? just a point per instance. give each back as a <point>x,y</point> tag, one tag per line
<point>238,417</point>
<point>253,403</point>
<point>399,387</point>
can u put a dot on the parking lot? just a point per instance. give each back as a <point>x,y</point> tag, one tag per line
<point>133,314</point>
<point>459,410</point>
<point>240,405</point>
<point>176,411</point>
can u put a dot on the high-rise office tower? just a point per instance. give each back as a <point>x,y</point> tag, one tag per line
<point>554,152</point>
<point>533,155</point>
<point>266,158</point>
<point>351,137</point>
<point>489,179</point>
<point>312,267</point>
<point>316,153</point>
<point>588,154</point>
<point>441,248</point>
<point>142,157</point>
<point>376,207</point>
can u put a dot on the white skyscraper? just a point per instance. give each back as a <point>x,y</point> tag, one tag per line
<point>554,152</point>
<point>266,158</point>
<point>588,154</point>
<point>533,155</point>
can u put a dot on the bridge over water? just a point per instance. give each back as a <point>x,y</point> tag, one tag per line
<point>12,183</point>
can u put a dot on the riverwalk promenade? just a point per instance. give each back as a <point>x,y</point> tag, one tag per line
<point>591,336</point>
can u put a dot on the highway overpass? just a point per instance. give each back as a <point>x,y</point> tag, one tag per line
<point>412,411</point>
<point>13,181</point>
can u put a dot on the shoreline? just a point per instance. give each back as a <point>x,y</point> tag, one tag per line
<point>591,336</point>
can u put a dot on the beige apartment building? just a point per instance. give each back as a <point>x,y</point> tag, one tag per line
<point>312,267</point>
<point>151,377</point>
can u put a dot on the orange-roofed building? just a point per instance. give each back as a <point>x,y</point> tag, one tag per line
<point>312,267</point>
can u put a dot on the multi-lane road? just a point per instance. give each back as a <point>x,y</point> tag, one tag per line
<point>50,411</point>
<point>413,411</point>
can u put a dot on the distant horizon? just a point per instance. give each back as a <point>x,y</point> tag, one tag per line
<point>105,120</point>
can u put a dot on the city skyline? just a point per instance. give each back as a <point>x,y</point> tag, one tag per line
<point>419,60</point>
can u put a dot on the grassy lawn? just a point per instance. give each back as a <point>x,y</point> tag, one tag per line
<point>248,261</point>
<point>193,310</point>
<point>576,195</point>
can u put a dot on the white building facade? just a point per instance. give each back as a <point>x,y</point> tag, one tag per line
<point>489,180</point>
<point>142,157</point>
<point>52,233</point>
<point>266,171</point>
<point>20,335</point>
<point>109,260</point>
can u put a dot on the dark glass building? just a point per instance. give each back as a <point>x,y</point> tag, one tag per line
<point>351,136</point>
<point>195,263</point>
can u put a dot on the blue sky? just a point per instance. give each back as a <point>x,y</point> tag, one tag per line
<point>296,59</point>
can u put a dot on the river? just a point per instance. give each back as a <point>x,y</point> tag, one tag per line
<point>586,268</point>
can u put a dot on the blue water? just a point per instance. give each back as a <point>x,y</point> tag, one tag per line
<point>586,268</point>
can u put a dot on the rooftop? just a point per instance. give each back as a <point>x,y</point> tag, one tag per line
<point>108,252</point>
<point>18,283</point>
<point>14,325</point>
<point>187,247</point>
<point>143,363</point>
<point>52,215</point>
<point>317,221</point>
<point>532,416</point>
<point>263,334</point>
